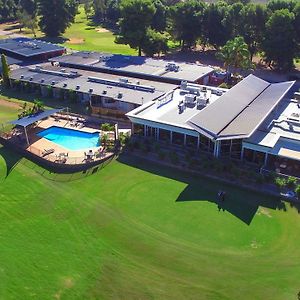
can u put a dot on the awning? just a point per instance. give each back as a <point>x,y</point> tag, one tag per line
<point>287,148</point>
<point>24,122</point>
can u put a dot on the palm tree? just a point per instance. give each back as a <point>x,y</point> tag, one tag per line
<point>235,53</point>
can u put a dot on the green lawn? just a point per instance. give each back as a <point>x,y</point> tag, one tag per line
<point>90,39</point>
<point>135,230</point>
<point>83,35</point>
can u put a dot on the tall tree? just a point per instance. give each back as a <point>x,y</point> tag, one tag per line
<point>159,20</point>
<point>156,42</point>
<point>233,19</point>
<point>8,9</point>
<point>187,20</point>
<point>29,6</point>
<point>136,18</point>
<point>254,16</point>
<point>215,32</point>
<point>273,5</point>
<point>99,7</point>
<point>5,71</point>
<point>235,54</point>
<point>56,15</point>
<point>280,44</point>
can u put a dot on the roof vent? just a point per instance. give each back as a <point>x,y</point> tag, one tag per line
<point>22,76</point>
<point>53,82</point>
<point>77,87</point>
<point>104,92</point>
<point>91,90</point>
<point>172,67</point>
<point>120,95</point>
<point>123,80</point>
<point>65,84</point>
<point>42,80</point>
<point>31,78</point>
<point>63,70</point>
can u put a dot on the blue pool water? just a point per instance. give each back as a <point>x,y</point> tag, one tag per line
<point>71,139</point>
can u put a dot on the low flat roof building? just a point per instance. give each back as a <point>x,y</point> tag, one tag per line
<point>105,92</point>
<point>29,49</point>
<point>137,66</point>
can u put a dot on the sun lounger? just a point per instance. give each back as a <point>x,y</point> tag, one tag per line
<point>47,152</point>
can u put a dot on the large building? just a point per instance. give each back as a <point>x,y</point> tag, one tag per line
<point>137,66</point>
<point>252,121</point>
<point>108,94</point>
<point>26,49</point>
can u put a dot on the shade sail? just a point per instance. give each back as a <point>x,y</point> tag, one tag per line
<point>24,122</point>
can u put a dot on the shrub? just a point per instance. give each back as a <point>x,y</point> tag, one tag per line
<point>161,155</point>
<point>174,157</point>
<point>297,190</point>
<point>291,182</point>
<point>107,127</point>
<point>156,147</point>
<point>280,182</point>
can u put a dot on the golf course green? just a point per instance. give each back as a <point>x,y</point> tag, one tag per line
<point>137,230</point>
<point>127,232</point>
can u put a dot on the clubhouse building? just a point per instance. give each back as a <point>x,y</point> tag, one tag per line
<point>171,102</point>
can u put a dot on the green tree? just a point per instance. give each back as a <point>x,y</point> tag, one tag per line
<point>29,6</point>
<point>186,22</point>
<point>8,9</point>
<point>136,18</point>
<point>235,54</point>
<point>159,20</point>
<point>296,12</point>
<point>274,5</point>
<point>280,44</point>
<point>254,16</point>
<point>156,42</point>
<point>87,5</point>
<point>5,71</point>
<point>99,8</point>
<point>215,32</point>
<point>233,19</point>
<point>56,16</point>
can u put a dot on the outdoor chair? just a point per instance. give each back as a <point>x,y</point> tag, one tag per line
<point>47,152</point>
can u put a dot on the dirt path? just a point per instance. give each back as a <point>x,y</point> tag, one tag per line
<point>10,104</point>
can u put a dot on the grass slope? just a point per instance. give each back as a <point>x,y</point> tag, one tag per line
<point>135,230</point>
<point>128,233</point>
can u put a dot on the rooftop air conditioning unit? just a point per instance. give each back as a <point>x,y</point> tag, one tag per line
<point>91,90</point>
<point>123,80</point>
<point>120,95</point>
<point>63,70</point>
<point>22,76</point>
<point>77,87</point>
<point>104,92</point>
<point>183,85</point>
<point>65,85</point>
<point>31,78</point>
<point>53,82</point>
<point>42,80</point>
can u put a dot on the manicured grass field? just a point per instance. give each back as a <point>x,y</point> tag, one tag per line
<point>135,230</point>
<point>83,35</point>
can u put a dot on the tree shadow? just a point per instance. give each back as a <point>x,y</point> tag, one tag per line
<point>11,159</point>
<point>54,40</point>
<point>239,202</point>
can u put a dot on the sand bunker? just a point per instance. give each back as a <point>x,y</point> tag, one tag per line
<point>101,30</point>
<point>75,41</point>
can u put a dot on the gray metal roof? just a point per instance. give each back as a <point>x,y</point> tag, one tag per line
<point>241,110</point>
<point>35,117</point>
<point>27,47</point>
<point>135,65</point>
<point>58,79</point>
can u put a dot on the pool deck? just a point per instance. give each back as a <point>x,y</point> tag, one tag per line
<point>39,144</point>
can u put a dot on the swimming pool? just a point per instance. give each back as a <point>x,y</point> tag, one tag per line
<point>70,138</point>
